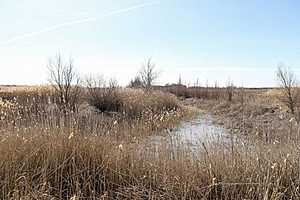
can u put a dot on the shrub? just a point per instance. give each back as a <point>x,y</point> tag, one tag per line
<point>136,83</point>
<point>137,103</point>
<point>133,103</point>
<point>102,97</point>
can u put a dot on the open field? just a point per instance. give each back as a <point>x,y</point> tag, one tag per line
<point>48,153</point>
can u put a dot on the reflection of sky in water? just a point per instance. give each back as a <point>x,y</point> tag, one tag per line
<point>198,130</point>
<point>191,134</point>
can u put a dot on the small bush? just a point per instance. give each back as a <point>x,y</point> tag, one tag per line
<point>133,103</point>
<point>139,103</point>
<point>136,83</point>
<point>106,100</point>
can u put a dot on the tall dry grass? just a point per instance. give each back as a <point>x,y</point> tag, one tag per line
<point>39,165</point>
<point>210,93</point>
<point>45,154</point>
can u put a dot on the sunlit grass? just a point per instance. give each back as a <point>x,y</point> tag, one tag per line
<point>48,154</point>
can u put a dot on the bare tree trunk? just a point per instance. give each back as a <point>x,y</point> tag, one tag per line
<point>288,84</point>
<point>148,74</point>
<point>65,82</point>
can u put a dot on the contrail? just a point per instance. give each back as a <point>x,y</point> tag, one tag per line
<point>79,21</point>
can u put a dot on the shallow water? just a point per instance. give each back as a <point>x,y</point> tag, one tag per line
<point>192,134</point>
<point>199,130</point>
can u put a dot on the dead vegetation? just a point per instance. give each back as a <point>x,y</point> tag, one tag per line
<point>198,92</point>
<point>65,82</point>
<point>61,166</point>
<point>95,156</point>
<point>86,155</point>
<point>148,74</point>
<point>290,91</point>
<point>97,150</point>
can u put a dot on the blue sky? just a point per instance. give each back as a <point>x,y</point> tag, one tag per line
<point>213,40</point>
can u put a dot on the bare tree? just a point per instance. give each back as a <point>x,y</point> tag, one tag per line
<point>148,74</point>
<point>288,84</point>
<point>65,82</point>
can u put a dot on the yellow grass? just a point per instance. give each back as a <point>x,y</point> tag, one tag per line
<point>45,154</point>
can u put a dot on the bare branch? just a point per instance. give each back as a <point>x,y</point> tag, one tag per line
<point>65,81</point>
<point>148,74</point>
<point>288,84</point>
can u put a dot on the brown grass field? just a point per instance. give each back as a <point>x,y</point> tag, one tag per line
<point>47,153</point>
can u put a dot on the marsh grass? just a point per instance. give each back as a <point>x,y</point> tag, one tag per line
<point>133,103</point>
<point>56,166</point>
<point>45,154</point>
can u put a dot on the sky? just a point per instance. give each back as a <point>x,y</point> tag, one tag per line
<point>209,40</point>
